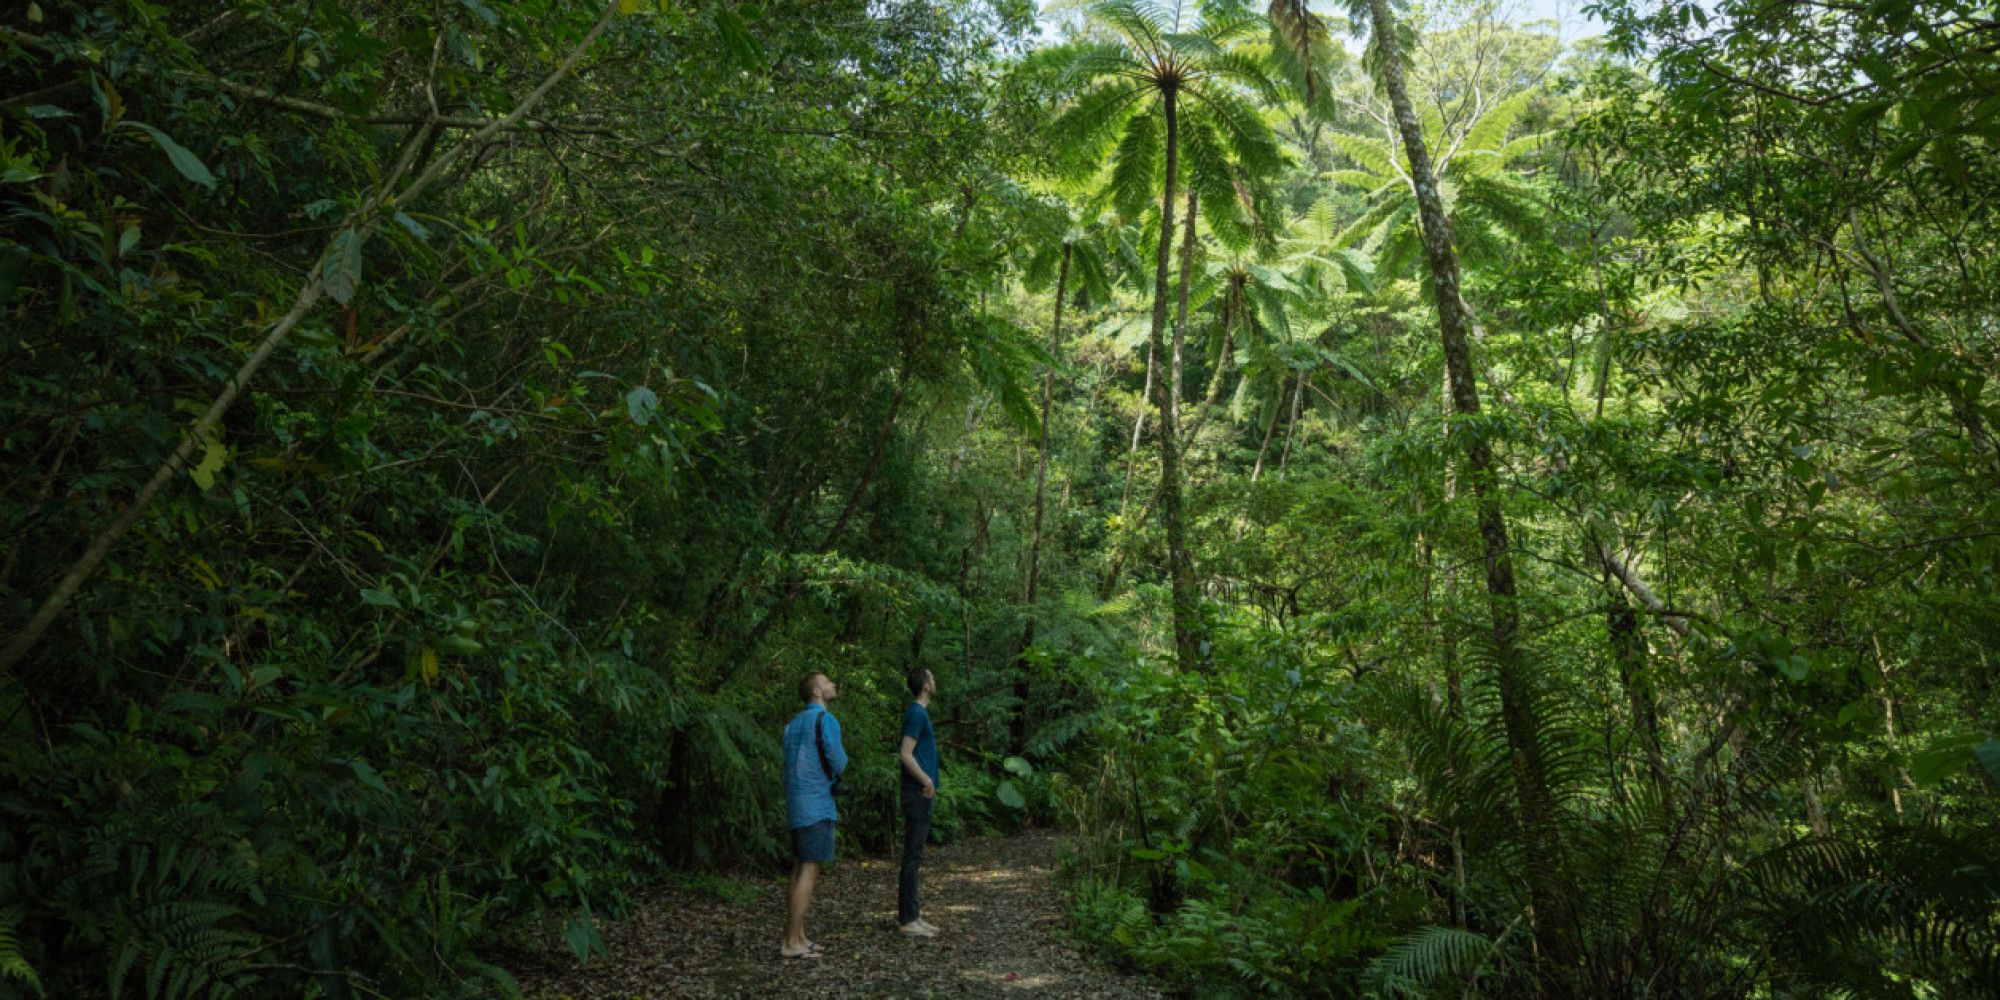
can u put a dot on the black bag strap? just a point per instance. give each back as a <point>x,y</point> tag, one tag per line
<point>819,738</point>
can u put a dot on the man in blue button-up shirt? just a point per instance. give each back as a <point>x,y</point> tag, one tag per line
<point>809,810</point>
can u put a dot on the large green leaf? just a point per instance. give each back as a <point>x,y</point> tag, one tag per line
<point>1010,795</point>
<point>184,161</point>
<point>1989,757</point>
<point>341,269</point>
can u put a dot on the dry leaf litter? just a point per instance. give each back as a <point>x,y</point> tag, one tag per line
<point>999,916</point>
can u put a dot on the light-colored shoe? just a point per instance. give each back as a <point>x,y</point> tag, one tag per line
<point>933,928</point>
<point>917,928</point>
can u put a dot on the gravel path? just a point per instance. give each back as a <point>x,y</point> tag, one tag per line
<point>1000,917</point>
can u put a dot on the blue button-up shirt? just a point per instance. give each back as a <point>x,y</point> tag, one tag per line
<point>808,793</point>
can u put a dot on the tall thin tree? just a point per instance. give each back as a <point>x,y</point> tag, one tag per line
<point>1170,68</point>
<point>1554,921</point>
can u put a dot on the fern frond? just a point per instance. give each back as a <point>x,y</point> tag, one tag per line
<point>1428,958</point>
<point>1489,133</point>
<point>1371,155</point>
<point>14,965</point>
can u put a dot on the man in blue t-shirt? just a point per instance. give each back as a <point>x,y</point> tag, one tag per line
<point>920,775</point>
<point>813,759</point>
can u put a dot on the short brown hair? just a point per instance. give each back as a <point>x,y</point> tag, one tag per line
<point>917,679</point>
<point>806,685</point>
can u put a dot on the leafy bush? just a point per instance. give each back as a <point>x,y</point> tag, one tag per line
<point>1223,837</point>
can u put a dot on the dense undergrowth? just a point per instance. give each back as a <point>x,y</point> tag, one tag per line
<point>434,441</point>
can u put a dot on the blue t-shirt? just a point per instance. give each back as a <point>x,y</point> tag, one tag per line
<point>808,793</point>
<point>917,726</point>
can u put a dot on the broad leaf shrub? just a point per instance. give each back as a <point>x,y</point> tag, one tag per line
<point>1227,836</point>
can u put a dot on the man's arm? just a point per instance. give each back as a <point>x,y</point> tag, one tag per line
<point>915,770</point>
<point>835,754</point>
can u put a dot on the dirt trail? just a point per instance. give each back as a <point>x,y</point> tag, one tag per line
<point>992,897</point>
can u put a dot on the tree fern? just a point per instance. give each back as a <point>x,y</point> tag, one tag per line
<point>13,964</point>
<point>1488,208</point>
<point>1428,959</point>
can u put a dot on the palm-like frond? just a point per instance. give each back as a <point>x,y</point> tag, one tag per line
<point>1331,271</point>
<point>1369,182</point>
<point>14,965</point>
<point>1192,45</point>
<point>1922,894</point>
<point>1131,263</point>
<point>1090,272</point>
<point>1003,357</point>
<point>1248,137</point>
<point>1228,22</point>
<point>1510,204</point>
<point>1040,269</point>
<point>1270,312</point>
<point>1362,229</point>
<point>1208,174</point>
<point>1078,63</point>
<point>1372,156</point>
<point>1428,958</point>
<point>1321,222</point>
<point>1489,207</point>
<point>1489,133</point>
<point>1525,145</point>
<point>1141,23</point>
<point>1087,127</point>
<point>1135,166</point>
<point>1242,67</point>
<point>1301,50</point>
<point>1270,279</point>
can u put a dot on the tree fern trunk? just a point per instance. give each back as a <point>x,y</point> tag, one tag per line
<point>1041,484</point>
<point>1138,428</point>
<point>1180,569</point>
<point>1292,424</point>
<point>1554,922</point>
<point>1181,309</point>
<point>1042,467</point>
<point>1270,428</point>
<point>1208,400</point>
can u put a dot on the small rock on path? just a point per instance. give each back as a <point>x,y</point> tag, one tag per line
<point>992,898</point>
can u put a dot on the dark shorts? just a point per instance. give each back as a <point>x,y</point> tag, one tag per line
<point>813,842</point>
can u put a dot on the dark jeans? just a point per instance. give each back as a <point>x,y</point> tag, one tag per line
<point>916,830</point>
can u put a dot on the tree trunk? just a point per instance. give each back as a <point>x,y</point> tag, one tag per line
<point>1554,920</point>
<point>1180,570</point>
<point>868,472</point>
<point>1181,310</point>
<point>1292,424</point>
<point>1042,467</point>
<point>1270,428</point>
<point>1138,427</point>
<point>1214,393</point>
<point>1629,645</point>
<point>1041,483</point>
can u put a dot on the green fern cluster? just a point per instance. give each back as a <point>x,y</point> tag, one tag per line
<point>14,965</point>
<point>1490,208</point>
<point>1675,890</point>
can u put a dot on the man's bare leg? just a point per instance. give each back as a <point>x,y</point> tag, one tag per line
<point>797,897</point>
